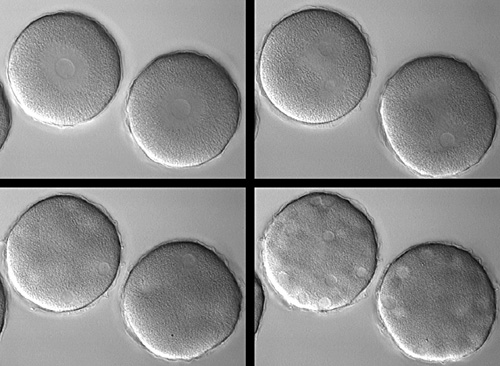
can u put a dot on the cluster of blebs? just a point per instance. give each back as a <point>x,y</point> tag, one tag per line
<point>179,301</point>
<point>319,253</point>
<point>65,68</point>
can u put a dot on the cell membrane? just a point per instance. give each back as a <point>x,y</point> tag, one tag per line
<point>62,253</point>
<point>319,252</point>
<point>259,302</point>
<point>5,117</point>
<point>183,109</point>
<point>436,302</point>
<point>180,300</point>
<point>437,116</point>
<point>64,68</point>
<point>315,66</point>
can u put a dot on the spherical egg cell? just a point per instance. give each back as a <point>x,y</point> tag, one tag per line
<point>64,68</point>
<point>63,253</point>
<point>315,66</point>
<point>259,302</point>
<point>437,116</point>
<point>433,309</point>
<point>319,252</point>
<point>181,300</point>
<point>183,109</point>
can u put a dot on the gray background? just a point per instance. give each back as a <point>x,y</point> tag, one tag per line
<point>403,217</point>
<point>143,31</point>
<point>145,217</point>
<point>398,31</point>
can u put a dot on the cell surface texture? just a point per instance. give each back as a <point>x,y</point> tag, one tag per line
<point>319,252</point>
<point>315,66</point>
<point>437,116</point>
<point>63,253</point>
<point>5,117</point>
<point>259,302</point>
<point>181,300</point>
<point>437,303</point>
<point>183,109</point>
<point>64,68</point>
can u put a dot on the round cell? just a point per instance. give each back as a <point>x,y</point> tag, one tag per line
<point>315,66</point>
<point>64,68</point>
<point>259,302</point>
<point>183,109</point>
<point>63,253</point>
<point>319,252</point>
<point>181,300</point>
<point>436,302</point>
<point>4,117</point>
<point>437,116</point>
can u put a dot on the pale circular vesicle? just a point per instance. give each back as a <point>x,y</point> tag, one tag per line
<point>64,68</point>
<point>315,66</point>
<point>436,302</point>
<point>319,252</point>
<point>63,253</point>
<point>181,300</point>
<point>5,117</point>
<point>259,302</point>
<point>437,116</point>
<point>183,109</point>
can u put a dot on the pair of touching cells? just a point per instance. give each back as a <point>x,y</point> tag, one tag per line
<point>65,68</point>
<point>180,299</point>
<point>437,114</point>
<point>435,301</point>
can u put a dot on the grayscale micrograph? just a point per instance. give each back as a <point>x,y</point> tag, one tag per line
<point>377,89</point>
<point>97,89</point>
<point>433,294</point>
<point>181,300</point>
<point>315,66</point>
<point>260,299</point>
<point>63,253</point>
<point>319,252</point>
<point>183,109</point>
<point>143,276</point>
<point>438,116</point>
<point>64,68</point>
<point>437,303</point>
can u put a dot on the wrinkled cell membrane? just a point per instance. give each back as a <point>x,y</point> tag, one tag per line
<point>437,116</point>
<point>315,66</point>
<point>437,303</point>
<point>319,252</point>
<point>5,117</point>
<point>64,68</point>
<point>183,109</point>
<point>181,300</point>
<point>63,253</point>
<point>259,302</point>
